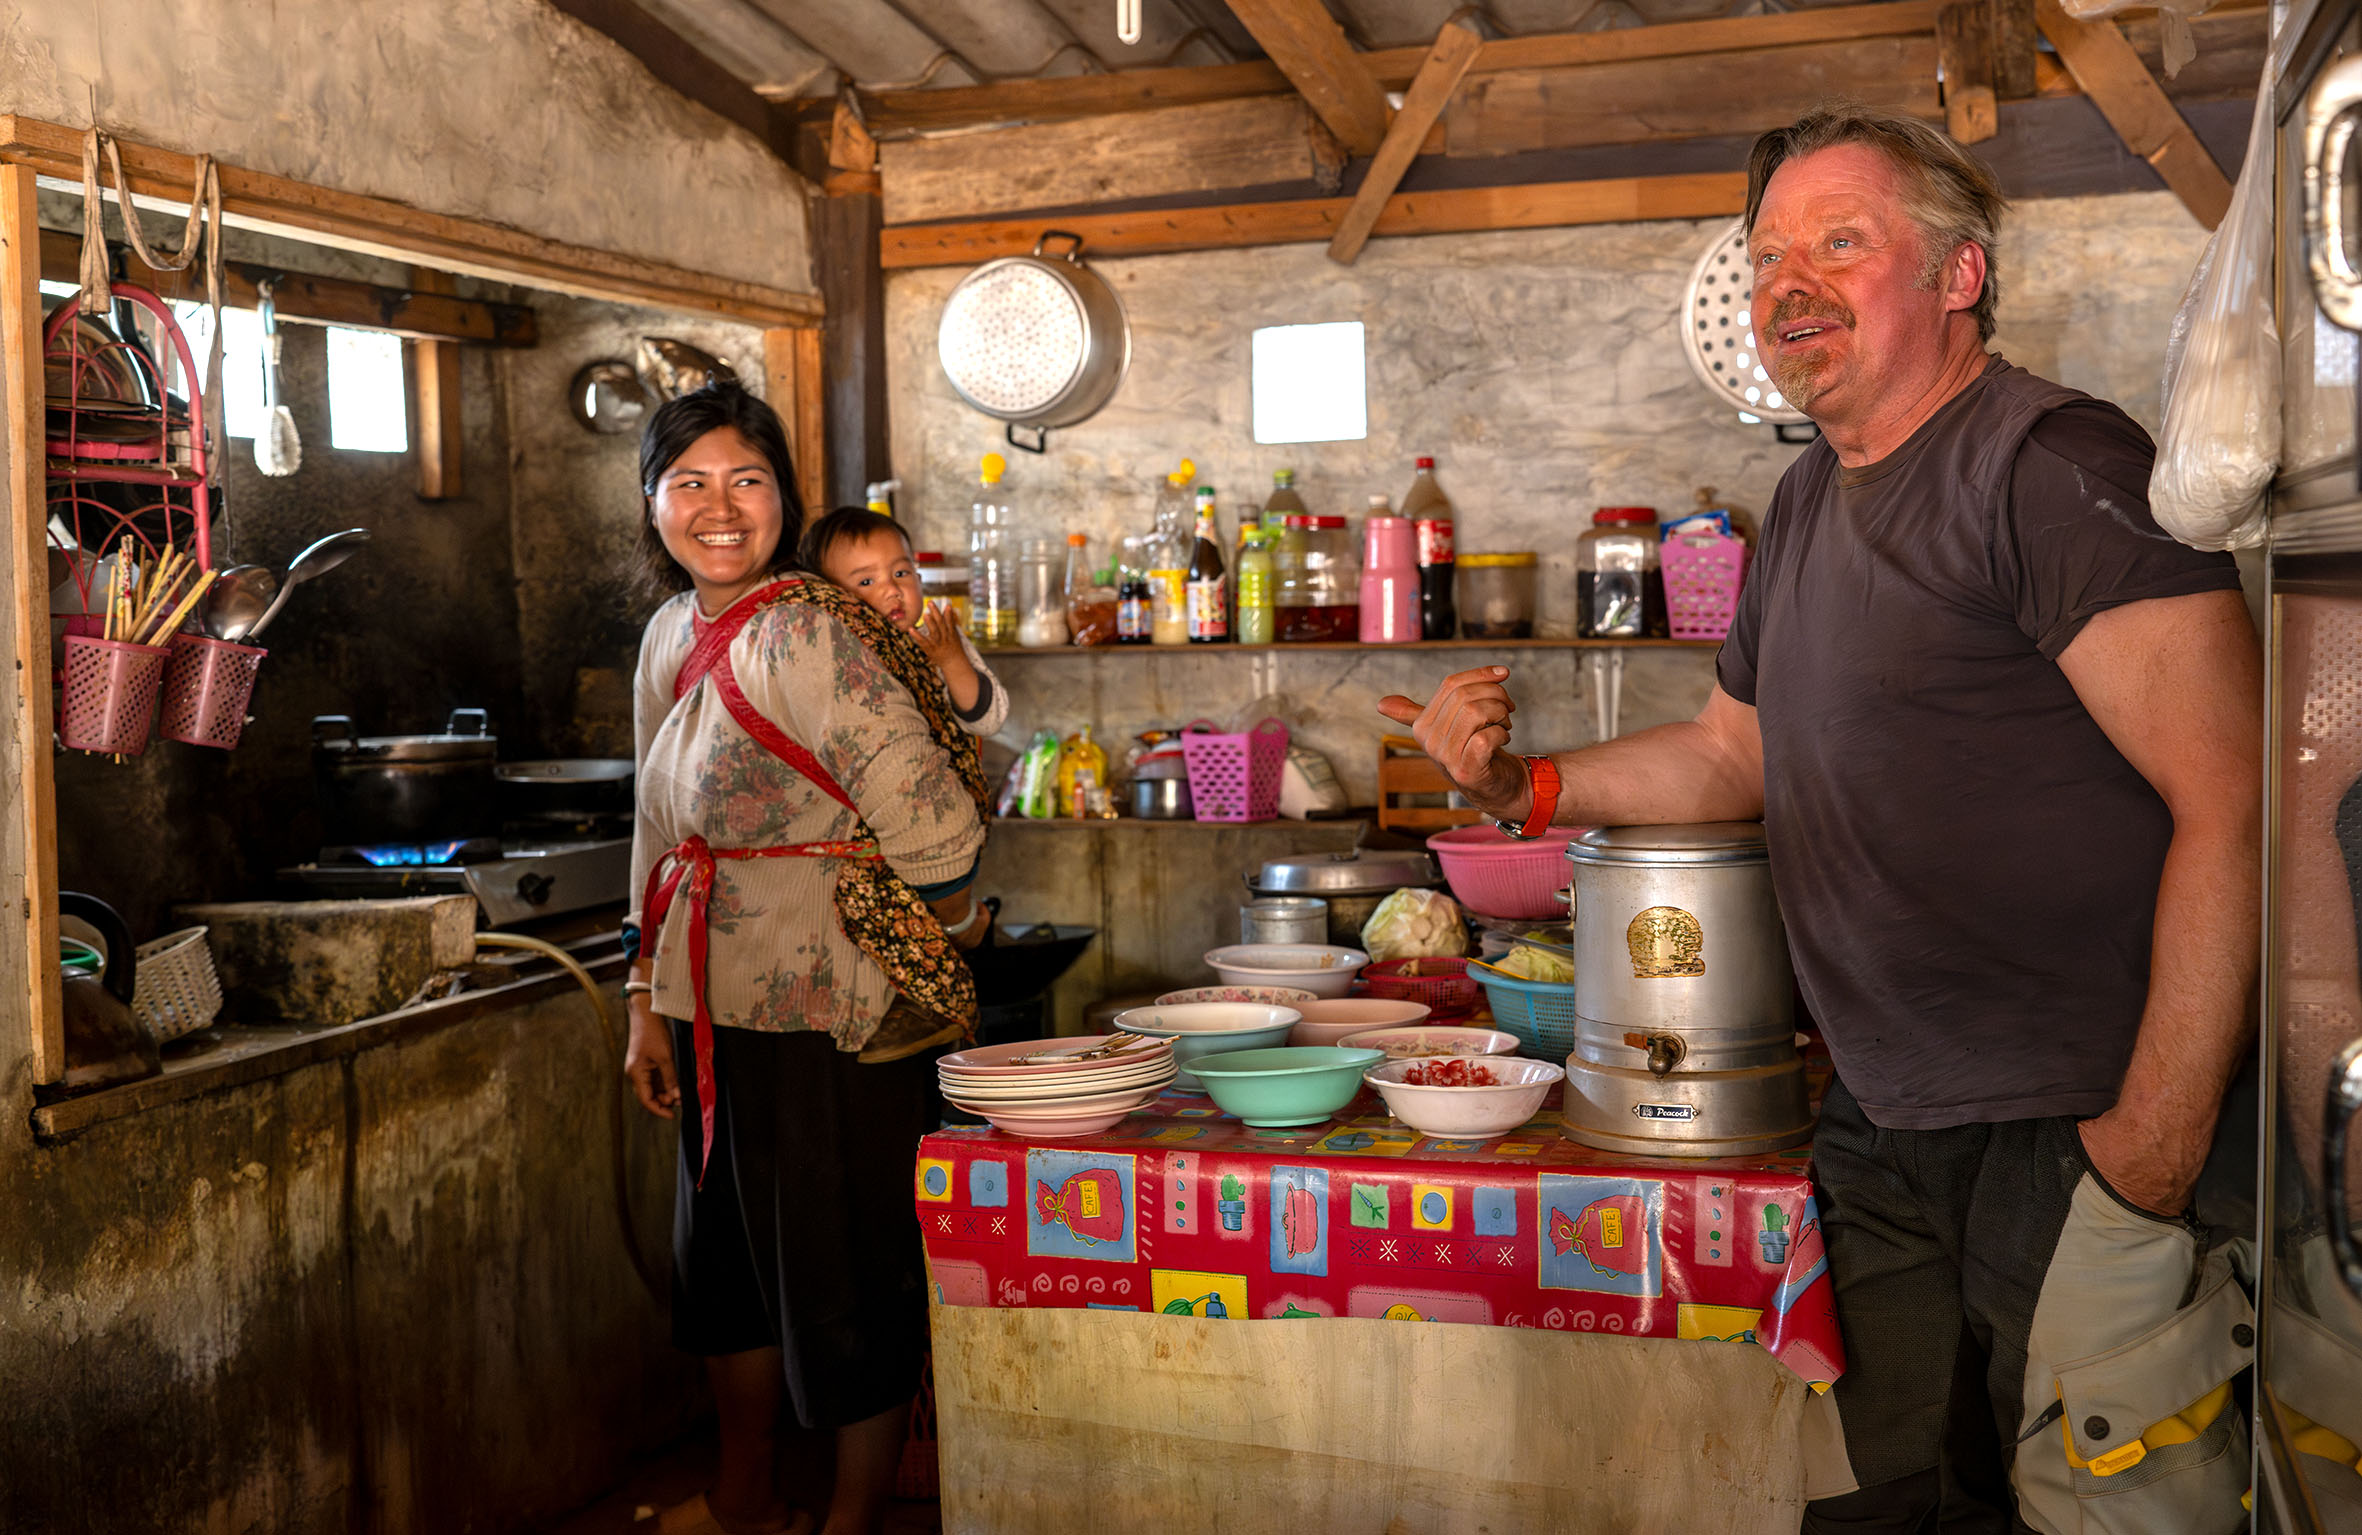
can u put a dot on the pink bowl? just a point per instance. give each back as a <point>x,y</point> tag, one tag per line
<point>1496,875</point>
<point>1327,1020</point>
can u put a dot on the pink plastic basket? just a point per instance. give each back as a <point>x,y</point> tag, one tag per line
<point>1703,574</point>
<point>1497,875</point>
<point>1443,984</point>
<point>1235,778</point>
<point>207,683</point>
<point>110,694</point>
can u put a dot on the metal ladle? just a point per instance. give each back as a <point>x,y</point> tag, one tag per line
<point>317,560</point>
<point>240,597</point>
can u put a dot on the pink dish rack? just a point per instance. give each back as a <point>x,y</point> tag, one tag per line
<point>1235,777</point>
<point>1703,574</point>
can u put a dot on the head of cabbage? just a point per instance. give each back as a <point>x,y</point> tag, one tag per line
<point>1416,924</point>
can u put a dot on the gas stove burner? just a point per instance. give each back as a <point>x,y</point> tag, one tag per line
<point>415,855</point>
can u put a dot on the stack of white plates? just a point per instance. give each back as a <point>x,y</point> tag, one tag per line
<point>1048,1088</point>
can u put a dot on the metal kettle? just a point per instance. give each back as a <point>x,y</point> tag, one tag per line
<point>106,1044</point>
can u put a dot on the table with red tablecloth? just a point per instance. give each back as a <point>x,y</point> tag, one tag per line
<point>1183,1210</point>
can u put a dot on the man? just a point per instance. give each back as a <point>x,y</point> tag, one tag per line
<point>2005,738</point>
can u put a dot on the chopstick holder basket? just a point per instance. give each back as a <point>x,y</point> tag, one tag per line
<point>207,684</point>
<point>109,703</point>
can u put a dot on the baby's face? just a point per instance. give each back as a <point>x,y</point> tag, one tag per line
<point>879,570</point>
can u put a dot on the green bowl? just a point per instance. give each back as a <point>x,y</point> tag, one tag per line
<point>1275,1089</point>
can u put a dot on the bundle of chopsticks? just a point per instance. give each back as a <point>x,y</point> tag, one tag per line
<point>147,604</point>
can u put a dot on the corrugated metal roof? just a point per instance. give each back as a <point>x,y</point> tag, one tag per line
<point>791,48</point>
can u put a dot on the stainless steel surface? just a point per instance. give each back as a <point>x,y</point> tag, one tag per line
<point>375,790</point>
<point>670,368</point>
<point>1689,941</point>
<point>565,786</point>
<point>1720,334</point>
<point>1702,842</point>
<point>1687,1113</point>
<point>1359,871</point>
<point>1037,341</point>
<point>316,560</point>
<point>1284,919</point>
<point>607,397</point>
<point>2333,246</point>
<point>528,881</point>
<point>1162,799</point>
<point>239,597</point>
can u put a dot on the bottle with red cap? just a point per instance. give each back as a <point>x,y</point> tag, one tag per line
<point>1429,511</point>
<point>1619,589</point>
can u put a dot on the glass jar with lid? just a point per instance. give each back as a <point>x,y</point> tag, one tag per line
<point>1496,595</point>
<point>942,582</point>
<point>1319,580</point>
<point>1041,596</point>
<point>1619,590</point>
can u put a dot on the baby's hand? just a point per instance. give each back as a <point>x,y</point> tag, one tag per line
<point>938,635</point>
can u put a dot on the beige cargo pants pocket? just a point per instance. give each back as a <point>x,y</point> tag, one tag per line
<point>2129,1363</point>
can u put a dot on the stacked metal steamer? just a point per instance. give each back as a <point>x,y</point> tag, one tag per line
<point>1685,1039</point>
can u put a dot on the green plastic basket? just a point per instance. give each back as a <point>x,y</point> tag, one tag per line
<point>1540,1013</point>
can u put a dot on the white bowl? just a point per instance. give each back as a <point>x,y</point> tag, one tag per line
<point>1324,969</point>
<point>1467,1113</point>
<point>1328,1020</point>
<point>1273,996</point>
<point>1432,1039</point>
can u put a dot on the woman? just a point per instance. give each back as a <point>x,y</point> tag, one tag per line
<point>807,832</point>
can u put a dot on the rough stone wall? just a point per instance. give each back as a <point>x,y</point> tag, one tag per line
<point>504,110</point>
<point>1544,370</point>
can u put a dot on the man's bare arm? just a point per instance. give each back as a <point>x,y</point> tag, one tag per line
<point>1704,769</point>
<point>2177,685</point>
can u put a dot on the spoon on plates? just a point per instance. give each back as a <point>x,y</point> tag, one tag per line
<point>317,560</point>
<point>240,597</point>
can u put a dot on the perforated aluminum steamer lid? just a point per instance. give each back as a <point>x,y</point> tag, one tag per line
<point>1718,334</point>
<point>1013,337</point>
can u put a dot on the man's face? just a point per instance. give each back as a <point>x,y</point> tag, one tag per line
<point>1841,306</point>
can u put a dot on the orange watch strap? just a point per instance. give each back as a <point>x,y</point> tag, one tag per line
<point>1542,776</point>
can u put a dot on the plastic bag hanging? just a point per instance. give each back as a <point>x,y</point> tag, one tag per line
<point>2221,437</point>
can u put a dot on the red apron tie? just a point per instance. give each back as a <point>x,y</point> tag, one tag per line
<point>688,871</point>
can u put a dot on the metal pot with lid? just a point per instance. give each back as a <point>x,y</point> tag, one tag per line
<point>378,790</point>
<point>1353,882</point>
<point>1684,1000</point>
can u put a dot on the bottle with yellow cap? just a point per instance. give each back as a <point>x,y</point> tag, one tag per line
<point>992,558</point>
<point>1168,558</point>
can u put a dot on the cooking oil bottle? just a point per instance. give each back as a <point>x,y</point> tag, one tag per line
<point>992,558</point>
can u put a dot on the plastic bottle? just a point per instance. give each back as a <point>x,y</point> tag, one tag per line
<point>1430,512</point>
<point>1133,604</point>
<point>992,559</point>
<point>1209,580</point>
<point>1041,598</point>
<point>1082,775</point>
<point>1389,577</point>
<point>880,495</point>
<point>1255,609</point>
<point>1168,559</point>
<point>1091,598</point>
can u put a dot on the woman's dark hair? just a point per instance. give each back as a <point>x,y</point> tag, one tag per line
<point>677,424</point>
<point>845,525</point>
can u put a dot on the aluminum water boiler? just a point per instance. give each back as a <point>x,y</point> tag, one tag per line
<point>1685,1041</point>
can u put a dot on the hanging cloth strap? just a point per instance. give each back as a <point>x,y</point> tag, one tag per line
<point>875,908</point>
<point>200,235</point>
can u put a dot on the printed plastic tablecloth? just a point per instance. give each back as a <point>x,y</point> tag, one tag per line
<point>1182,1209</point>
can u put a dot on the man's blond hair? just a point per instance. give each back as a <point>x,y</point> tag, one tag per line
<point>1947,193</point>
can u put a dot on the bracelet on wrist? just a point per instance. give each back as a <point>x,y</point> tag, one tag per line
<point>639,988</point>
<point>975,910</point>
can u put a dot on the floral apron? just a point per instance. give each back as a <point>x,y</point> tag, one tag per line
<point>875,907</point>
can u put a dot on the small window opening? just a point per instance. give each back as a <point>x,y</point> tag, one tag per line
<point>1310,383</point>
<point>368,400</point>
<point>241,362</point>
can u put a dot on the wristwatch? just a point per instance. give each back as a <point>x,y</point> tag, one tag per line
<point>1542,782</point>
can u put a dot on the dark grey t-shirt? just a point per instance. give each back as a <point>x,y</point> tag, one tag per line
<point>1967,867</point>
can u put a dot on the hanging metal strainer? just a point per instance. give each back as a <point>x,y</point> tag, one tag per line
<point>1720,337</point>
<point>1036,341</point>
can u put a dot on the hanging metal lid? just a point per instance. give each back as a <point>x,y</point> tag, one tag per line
<point>1701,842</point>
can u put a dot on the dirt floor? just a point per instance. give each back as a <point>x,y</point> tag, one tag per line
<point>685,1468</point>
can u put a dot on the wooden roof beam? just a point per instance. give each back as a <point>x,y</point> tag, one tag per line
<point>1448,61</point>
<point>2120,85</point>
<point>1311,50</point>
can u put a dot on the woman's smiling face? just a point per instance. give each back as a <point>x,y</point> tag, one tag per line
<point>717,508</point>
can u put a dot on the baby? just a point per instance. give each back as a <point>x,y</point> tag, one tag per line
<point>868,555</point>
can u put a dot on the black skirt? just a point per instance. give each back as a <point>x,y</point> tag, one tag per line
<point>804,1237</point>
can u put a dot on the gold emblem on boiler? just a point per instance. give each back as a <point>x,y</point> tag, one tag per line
<point>1666,941</point>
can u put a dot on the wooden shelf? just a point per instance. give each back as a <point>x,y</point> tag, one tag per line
<point>1309,646</point>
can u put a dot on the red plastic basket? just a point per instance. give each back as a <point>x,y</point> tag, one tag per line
<point>207,683</point>
<point>1235,777</point>
<point>1703,574</point>
<point>110,694</point>
<point>1446,986</point>
<point>1497,875</point>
